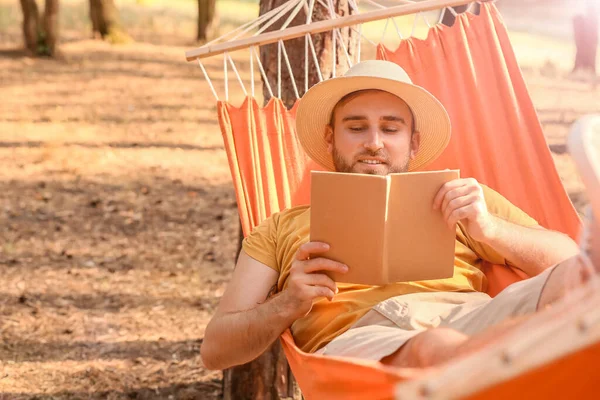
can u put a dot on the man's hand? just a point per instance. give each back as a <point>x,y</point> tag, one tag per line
<point>307,280</point>
<point>462,200</point>
<point>245,324</point>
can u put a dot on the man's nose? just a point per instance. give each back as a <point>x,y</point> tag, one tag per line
<point>374,141</point>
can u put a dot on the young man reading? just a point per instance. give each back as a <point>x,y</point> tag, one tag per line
<point>374,120</point>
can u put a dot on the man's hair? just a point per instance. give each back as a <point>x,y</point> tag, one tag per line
<point>353,95</point>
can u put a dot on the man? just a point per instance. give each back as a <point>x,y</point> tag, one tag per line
<point>375,121</point>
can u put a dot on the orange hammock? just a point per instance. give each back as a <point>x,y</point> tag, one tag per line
<point>497,139</point>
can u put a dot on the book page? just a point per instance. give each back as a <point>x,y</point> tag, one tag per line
<point>348,213</point>
<point>419,244</point>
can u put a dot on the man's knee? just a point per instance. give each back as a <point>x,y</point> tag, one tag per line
<point>428,348</point>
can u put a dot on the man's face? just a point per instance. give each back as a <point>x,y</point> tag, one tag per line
<point>372,134</point>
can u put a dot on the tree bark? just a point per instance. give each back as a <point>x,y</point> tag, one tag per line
<point>269,377</point>
<point>266,378</point>
<point>31,24</point>
<point>51,25</point>
<point>206,18</point>
<point>295,49</point>
<point>585,29</point>
<point>40,37</point>
<point>105,18</point>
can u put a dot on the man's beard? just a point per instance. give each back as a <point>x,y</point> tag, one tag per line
<point>343,165</point>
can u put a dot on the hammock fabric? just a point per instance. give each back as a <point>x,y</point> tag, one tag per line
<point>496,138</point>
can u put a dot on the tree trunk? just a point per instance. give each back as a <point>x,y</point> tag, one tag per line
<point>266,378</point>
<point>269,377</point>
<point>105,18</point>
<point>31,22</point>
<point>585,28</point>
<point>51,25</point>
<point>40,37</point>
<point>295,49</point>
<point>206,18</point>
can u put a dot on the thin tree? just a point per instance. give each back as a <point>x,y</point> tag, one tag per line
<point>105,21</point>
<point>269,376</point>
<point>585,29</point>
<point>206,19</point>
<point>41,37</point>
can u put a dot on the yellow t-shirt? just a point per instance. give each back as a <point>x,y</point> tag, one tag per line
<point>275,242</point>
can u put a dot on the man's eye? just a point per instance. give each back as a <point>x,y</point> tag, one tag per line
<point>357,128</point>
<point>390,130</point>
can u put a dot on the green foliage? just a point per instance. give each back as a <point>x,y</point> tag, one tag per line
<point>42,48</point>
<point>118,36</point>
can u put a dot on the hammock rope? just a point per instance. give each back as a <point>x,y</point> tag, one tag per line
<point>279,15</point>
<point>315,58</point>
<point>262,71</point>
<point>393,20</point>
<point>346,53</point>
<point>248,26</point>
<point>251,72</point>
<point>225,79</point>
<point>261,38</point>
<point>241,82</point>
<point>293,14</point>
<point>291,10</point>
<point>333,15</point>
<point>309,13</point>
<point>210,84</point>
<point>289,67</point>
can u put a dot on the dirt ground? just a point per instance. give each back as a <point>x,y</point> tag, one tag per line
<point>118,221</point>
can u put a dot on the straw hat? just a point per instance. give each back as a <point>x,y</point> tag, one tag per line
<point>315,108</point>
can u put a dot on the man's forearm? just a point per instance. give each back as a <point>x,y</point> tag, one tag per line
<point>237,338</point>
<point>530,249</point>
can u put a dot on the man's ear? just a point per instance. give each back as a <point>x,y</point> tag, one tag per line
<point>329,138</point>
<point>415,143</point>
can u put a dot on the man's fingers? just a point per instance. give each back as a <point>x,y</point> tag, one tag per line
<point>457,193</point>
<point>457,215</point>
<point>321,280</point>
<point>322,291</point>
<point>324,264</point>
<point>448,186</point>
<point>304,252</point>
<point>457,203</point>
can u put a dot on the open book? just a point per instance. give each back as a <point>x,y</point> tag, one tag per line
<point>383,227</point>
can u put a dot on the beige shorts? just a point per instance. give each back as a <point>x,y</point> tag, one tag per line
<point>391,323</point>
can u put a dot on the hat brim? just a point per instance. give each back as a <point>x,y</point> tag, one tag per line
<point>314,113</point>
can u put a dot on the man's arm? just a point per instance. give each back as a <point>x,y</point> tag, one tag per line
<point>530,249</point>
<point>245,325</point>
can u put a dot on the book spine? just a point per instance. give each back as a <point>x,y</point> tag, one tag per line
<point>386,239</point>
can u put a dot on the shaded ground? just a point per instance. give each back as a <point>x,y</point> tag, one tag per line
<point>118,221</point>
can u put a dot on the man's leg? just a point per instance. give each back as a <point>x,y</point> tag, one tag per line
<point>438,345</point>
<point>425,329</point>
<point>441,344</point>
<point>573,273</point>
